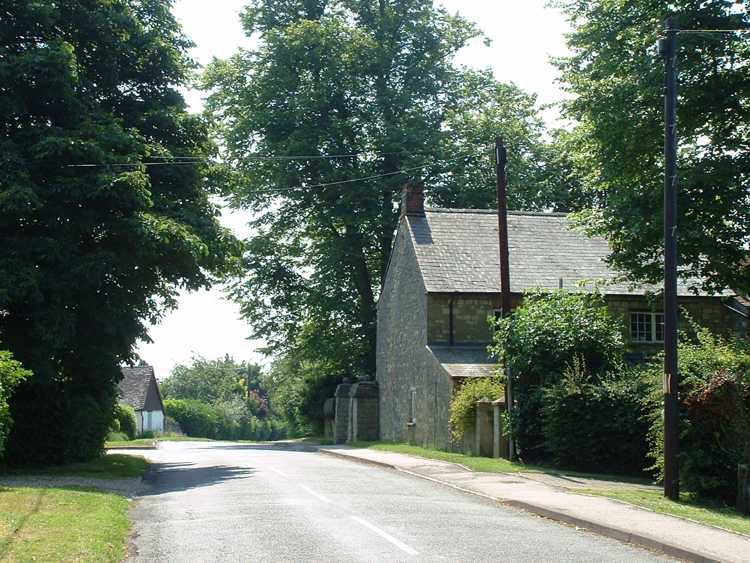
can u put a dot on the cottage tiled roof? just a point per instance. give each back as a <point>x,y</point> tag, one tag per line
<point>133,389</point>
<point>457,251</point>
<point>461,361</point>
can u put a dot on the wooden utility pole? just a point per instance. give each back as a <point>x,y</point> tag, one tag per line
<point>501,159</point>
<point>668,48</point>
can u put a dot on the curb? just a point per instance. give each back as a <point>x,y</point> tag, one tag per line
<point>600,529</point>
<point>364,461</point>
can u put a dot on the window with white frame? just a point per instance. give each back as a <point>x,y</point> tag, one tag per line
<point>646,326</point>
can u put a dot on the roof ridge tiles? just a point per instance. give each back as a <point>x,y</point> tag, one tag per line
<point>494,212</point>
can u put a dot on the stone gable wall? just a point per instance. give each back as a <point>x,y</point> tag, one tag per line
<point>403,360</point>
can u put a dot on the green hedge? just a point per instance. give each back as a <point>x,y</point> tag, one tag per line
<point>202,420</point>
<point>11,374</point>
<point>596,426</point>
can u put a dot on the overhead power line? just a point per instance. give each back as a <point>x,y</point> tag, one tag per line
<point>364,178</point>
<point>741,30</point>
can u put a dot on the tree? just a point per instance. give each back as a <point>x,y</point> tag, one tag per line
<point>373,82</point>
<point>615,74</point>
<point>217,381</point>
<point>90,254</point>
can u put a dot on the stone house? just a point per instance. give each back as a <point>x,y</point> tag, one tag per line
<point>443,283</point>
<point>139,389</point>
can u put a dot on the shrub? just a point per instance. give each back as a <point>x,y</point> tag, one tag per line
<point>546,333</point>
<point>464,403</point>
<point>714,413</point>
<point>124,416</point>
<point>596,426</point>
<point>548,330</point>
<point>195,418</point>
<point>11,374</point>
<point>117,437</point>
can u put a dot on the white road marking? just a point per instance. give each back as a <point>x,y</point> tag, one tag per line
<point>316,495</point>
<point>278,472</point>
<point>385,535</point>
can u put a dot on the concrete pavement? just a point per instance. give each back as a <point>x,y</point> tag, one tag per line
<point>552,498</point>
<point>213,501</point>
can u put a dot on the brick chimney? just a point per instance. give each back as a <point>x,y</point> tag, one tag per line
<point>412,200</point>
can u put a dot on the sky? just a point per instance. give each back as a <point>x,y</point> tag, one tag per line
<point>524,34</point>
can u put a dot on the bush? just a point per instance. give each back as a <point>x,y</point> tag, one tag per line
<point>117,437</point>
<point>546,333</point>
<point>596,426</point>
<point>11,374</point>
<point>195,418</point>
<point>464,403</point>
<point>714,414</point>
<point>124,416</point>
<point>549,330</point>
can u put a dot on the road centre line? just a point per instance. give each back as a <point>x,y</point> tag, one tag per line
<point>385,535</point>
<point>316,495</point>
<point>279,472</point>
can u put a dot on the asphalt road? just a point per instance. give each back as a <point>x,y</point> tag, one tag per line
<point>217,501</point>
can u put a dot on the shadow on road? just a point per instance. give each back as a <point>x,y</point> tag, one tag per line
<point>173,477</point>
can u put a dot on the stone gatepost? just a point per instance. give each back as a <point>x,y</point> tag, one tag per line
<point>364,412</point>
<point>499,442</point>
<point>342,411</point>
<point>483,437</point>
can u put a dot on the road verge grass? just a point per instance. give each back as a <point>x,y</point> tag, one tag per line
<point>689,507</point>
<point>67,523</point>
<point>62,524</point>
<point>110,466</point>
<point>484,464</point>
<point>150,443</point>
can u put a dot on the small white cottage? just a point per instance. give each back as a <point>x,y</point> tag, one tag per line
<point>140,390</point>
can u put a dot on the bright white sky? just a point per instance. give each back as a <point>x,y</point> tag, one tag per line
<point>524,35</point>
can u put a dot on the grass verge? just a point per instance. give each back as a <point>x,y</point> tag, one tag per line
<point>495,465</point>
<point>65,524</point>
<point>111,466</point>
<point>486,464</point>
<point>690,507</point>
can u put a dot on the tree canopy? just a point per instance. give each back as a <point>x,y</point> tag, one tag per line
<point>92,253</point>
<point>372,86</point>
<point>616,74</point>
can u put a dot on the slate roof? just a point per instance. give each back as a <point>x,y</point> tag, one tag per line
<point>134,385</point>
<point>457,251</point>
<point>461,361</point>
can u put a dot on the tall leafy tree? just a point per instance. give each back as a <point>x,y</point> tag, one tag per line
<point>92,253</point>
<point>373,79</point>
<point>616,74</point>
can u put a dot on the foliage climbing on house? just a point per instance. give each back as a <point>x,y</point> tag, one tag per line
<point>92,255</point>
<point>464,403</point>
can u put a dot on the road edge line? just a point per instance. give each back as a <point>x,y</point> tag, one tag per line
<point>554,515</point>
